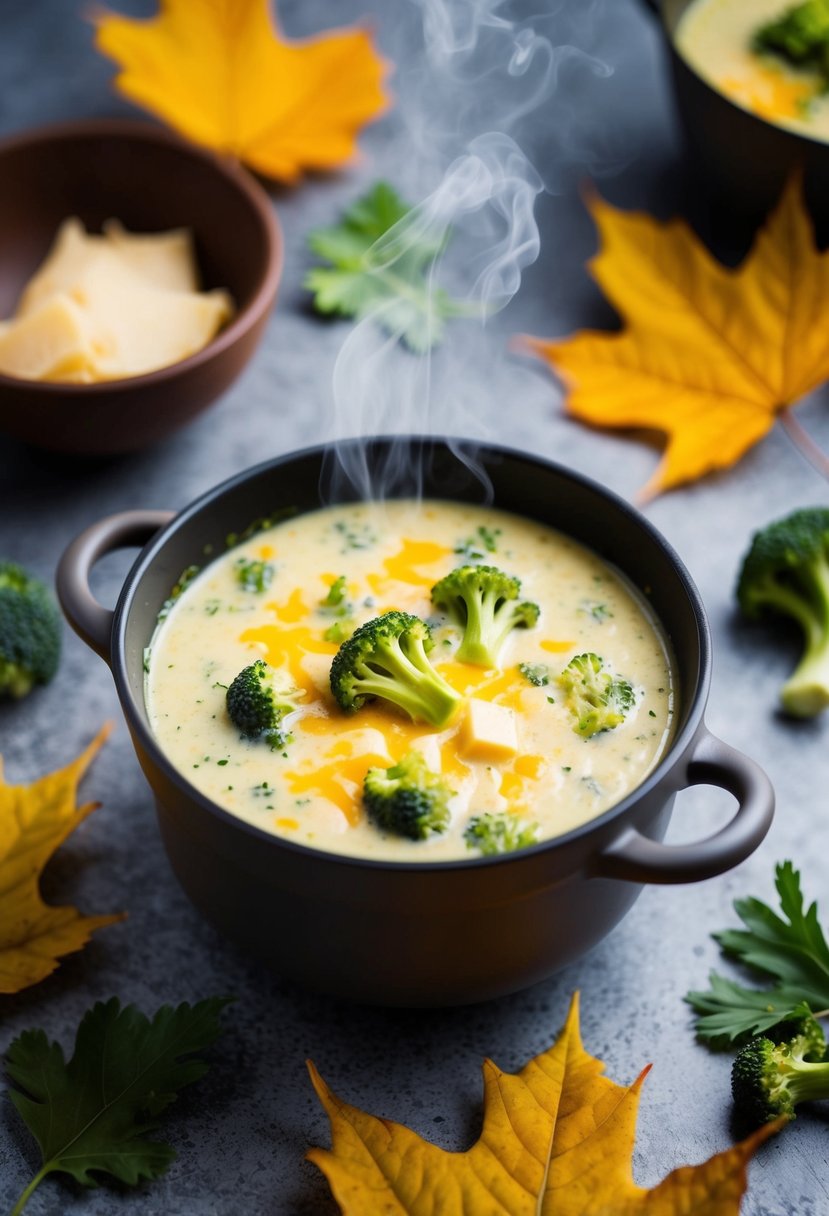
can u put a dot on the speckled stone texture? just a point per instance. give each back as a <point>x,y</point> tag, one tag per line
<point>242,1133</point>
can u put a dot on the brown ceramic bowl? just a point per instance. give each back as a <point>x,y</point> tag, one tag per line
<point>150,180</point>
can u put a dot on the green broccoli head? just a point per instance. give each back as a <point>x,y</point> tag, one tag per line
<point>769,1079</point>
<point>491,834</point>
<point>407,799</point>
<point>30,632</point>
<point>597,699</point>
<point>258,701</point>
<point>484,600</point>
<point>388,657</point>
<point>800,35</point>
<point>786,572</point>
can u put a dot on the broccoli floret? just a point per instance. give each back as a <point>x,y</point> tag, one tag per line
<point>768,1078</point>
<point>786,571</point>
<point>407,799</point>
<point>800,36</point>
<point>253,574</point>
<point>30,632</point>
<point>491,834</point>
<point>536,673</point>
<point>597,699</point>
<point>485,602</point>
<point>387,657</point>
<point>335,604</point>
<point>257,703</point>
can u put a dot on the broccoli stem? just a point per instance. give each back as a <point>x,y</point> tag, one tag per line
<point>805,1082</point>
<point>806,692</point>
<point>410,682</point>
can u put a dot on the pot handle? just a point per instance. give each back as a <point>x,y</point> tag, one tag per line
<point>635,858</point>
<point>90,620</point>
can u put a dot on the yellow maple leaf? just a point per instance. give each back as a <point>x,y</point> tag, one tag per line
<point>708,355</point>
<point>557,1140</point>
<point>220,73</point>
<point>34,820</point>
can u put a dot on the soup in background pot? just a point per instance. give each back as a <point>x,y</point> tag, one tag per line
<point>516,757</point>
<point>719,39</point>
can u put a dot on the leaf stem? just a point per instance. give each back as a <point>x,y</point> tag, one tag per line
<point>29,1191</point>
<point>804,443</point>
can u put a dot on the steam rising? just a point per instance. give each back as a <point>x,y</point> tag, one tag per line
<point>478,73</point>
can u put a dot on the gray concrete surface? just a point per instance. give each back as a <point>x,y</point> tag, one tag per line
<point>242,1133</point>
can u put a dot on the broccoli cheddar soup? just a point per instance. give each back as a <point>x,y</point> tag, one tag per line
<point>410,681</point>
<point>768,56</point>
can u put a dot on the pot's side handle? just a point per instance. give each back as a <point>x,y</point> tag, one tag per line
<point>90,620</point>
<point>637,859</point>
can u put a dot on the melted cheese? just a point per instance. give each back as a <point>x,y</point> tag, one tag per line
<point>512,749</point>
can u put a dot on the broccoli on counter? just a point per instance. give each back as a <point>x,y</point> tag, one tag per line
<point>485,602</point>
<point>597,699</point>
<point>407,799</point>
<point>257,703</point>
<point>387,657</point>
<point>29,632</point>
<point>800,36</point>
<point>786,571</point>
<point>770,1076</point>
<point>491,834</point>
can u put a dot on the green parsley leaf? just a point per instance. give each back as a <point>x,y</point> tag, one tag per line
<point>91,1115</point>
<point>791,949</point>
<point>391,281</point>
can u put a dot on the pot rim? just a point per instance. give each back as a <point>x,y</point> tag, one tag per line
<point>677,747</point>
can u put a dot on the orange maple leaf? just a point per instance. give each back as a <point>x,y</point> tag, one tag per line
<point>557,1140</point>
<point>708,355</point>
<point>34,820</point>
<point>221,74</point>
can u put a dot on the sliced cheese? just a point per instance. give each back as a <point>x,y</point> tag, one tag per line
<point>138,327</point>
<point>52,343</point>
<point>105,306</point>
<point>488,731</point>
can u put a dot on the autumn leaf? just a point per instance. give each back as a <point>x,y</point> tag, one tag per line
<point>708,355</point>
<point>557,1140</point>
<point>34,821</point>
<point>221,74</point>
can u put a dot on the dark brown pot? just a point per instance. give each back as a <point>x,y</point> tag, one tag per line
<point>746,159</point>
<point>150,180</point>
<point>442,932</point>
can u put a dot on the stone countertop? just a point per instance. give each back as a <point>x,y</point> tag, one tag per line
<point>242,1133</point>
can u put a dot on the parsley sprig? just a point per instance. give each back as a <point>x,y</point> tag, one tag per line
<point>91,1114</point>
<point>389,275</point>
<point>790,949</point>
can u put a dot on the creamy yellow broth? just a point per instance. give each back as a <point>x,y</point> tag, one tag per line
<point>391,556</point>
<point>715,37</point>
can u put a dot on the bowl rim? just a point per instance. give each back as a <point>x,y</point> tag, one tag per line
<point>225,166</point>
<point>678,745</point>
<point>802,137</point>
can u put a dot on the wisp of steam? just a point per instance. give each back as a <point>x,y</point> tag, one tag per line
<point>479,71</point>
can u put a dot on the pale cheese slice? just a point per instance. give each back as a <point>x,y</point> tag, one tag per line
<point>51,343</point>
<point>139,328</point>
<point>165,259</point>
<point>68,258</point>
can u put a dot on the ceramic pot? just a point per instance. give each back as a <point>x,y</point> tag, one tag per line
<point>434,933</point>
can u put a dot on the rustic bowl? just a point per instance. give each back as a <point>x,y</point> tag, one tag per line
<point>150,180</point>
<point>431,933</point>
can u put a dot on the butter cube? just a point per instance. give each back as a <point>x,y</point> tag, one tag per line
<point>488,731</point>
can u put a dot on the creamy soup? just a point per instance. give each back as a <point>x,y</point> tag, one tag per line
<point>716,37</point>
<point>532,765</point>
